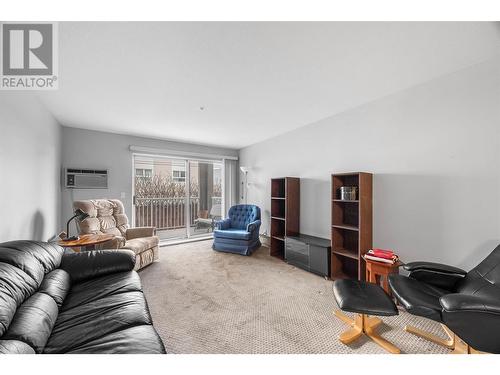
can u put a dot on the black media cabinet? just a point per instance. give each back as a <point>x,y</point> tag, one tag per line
<point>309,253</point>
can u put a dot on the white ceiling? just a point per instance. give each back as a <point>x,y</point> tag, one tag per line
<point>255,80</point>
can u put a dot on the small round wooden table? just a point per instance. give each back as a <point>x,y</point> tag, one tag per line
<point>378,272</point>
<point>86,240</point>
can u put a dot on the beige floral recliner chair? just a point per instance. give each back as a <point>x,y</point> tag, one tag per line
<point>108,216</point>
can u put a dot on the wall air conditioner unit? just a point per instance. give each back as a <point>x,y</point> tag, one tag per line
<point>86,178</point>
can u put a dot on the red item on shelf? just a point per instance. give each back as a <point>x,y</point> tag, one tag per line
<point>385,251</point>
<point>387,254</point>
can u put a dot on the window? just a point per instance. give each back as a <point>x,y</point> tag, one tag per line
<point>143,173</point>
<point>178,173</point>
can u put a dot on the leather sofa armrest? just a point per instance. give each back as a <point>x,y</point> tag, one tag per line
<point>90,264</point>
<point>437,267</point>
<point>140,232</point>
<point>223,224</point>
<point>254,225</point>
<point>467,302</point>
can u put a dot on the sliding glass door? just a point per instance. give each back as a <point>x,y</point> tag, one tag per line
<point>182,198</point>
<point>205,196</point>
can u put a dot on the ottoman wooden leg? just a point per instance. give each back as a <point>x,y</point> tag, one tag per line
<point>364,324</point>
<point>352,333</point>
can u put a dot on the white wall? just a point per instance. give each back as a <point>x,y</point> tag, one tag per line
<point>99,150</point>
<point>29,169</point>
<point>434,150</point>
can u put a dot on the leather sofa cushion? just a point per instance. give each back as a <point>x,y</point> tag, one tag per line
<point>34,321</point>
<point>24,262</point>
<point>85,323</point>
<point>15,347</point>
<point>95,289</point>
<point>416,297</point>
<point>236,234</point>
<point>138,245</point>
<point>56,284</point>
<point>96,263</point>
<point>23,265</point>
<point>47,254</point>
<point>15,287</point>
<point>139,339</point>
<point>34,258</point>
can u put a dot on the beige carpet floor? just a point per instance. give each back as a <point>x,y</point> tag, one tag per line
<point>203,301</point>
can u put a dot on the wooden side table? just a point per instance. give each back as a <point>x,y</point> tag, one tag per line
<point>378,272</point>
<point>86,240</point>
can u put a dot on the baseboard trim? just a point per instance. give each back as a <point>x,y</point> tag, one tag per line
<point>265,241</point>
<point>185,240</point>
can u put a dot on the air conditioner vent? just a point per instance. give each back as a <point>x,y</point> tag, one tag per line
<point>86,178</point>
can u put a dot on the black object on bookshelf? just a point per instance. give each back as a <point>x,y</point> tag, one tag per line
<point>285,212</point>
<point>351,225</point>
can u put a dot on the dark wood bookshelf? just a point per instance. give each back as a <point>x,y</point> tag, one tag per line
<point>285,212</point>
<point>351,225</point>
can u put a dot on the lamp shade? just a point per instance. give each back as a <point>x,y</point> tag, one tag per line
<point>78,215</point>
<point>81,215</point>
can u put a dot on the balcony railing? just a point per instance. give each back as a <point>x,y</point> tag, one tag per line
<point>167,213</point>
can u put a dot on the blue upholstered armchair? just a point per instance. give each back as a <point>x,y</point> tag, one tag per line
<point>239,232</point>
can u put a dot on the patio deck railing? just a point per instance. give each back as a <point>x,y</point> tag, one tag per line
<point>167,213</point>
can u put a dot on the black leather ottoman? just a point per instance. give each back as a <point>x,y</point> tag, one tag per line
<point>365,299</point>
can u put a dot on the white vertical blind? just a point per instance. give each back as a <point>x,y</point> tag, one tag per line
<point>231,183</point>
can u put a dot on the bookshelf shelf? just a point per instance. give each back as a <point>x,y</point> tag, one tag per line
<point>346,253</point>
<point>347,227</point>
<point>277,218</point>
<point>351,225</point>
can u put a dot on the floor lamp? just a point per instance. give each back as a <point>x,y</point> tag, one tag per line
<point>244,184</point>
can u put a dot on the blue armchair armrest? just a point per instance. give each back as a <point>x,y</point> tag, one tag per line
<point>223,224</point>
<point>254,225</point>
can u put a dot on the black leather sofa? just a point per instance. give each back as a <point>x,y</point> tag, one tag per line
<point>89,302</point>
<point>466,303</point>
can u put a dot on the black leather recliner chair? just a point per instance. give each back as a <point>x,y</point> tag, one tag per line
<point>466,303</point>
<point>91,302</point>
